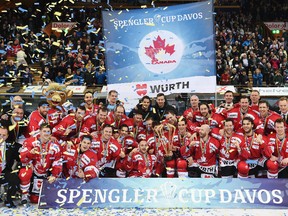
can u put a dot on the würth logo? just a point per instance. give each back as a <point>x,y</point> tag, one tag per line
<point>141,89</point>
<point>160,51</point>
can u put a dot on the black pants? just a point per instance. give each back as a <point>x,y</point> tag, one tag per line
<point>108,172</point>
<point>195,172</point>
<point>254,171</point>
<point>13,182</point>
<point>283,173</point>
<point>228,171</point>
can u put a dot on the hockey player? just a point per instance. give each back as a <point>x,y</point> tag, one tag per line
<point>108,149</point>
<point>238,113</point>
<point>201,154</point>
<point>41,159</point>
<point>232,150</point>
<point>127,143</point>
<point>277,152</point>
<point>117,117</point>
<point>81,160</point>
<point>255,142</point>
<point>37,118</point>
<point>95,124</point>
<point>268,117</point>
<point>70,126</point>
<point>91,108</point>
<point>139,162</point>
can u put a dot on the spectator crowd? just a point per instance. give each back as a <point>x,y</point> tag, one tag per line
<point>77,55</point>
<point>243,49</point>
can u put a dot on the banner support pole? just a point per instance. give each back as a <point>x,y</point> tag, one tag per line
<point>216,102</point>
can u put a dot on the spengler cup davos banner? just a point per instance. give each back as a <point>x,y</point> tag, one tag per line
<point>165,193</point>
<point>169,50</point>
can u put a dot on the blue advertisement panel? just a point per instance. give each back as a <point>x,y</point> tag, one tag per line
<point>148,47</point>
<point>165,193</point>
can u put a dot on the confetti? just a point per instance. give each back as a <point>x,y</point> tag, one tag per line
<point>12,127</point>
<point>15,171</point>
<point>22,27</point>
<point>57,13</point>
<point>56,44</point>
<point>80,201</point>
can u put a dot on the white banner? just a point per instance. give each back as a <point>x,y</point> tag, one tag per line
<point>276,25</point>
<point>195,84</point>
<point>63,25</point>
<point>38,89</point>
<point>223,89</point>
<point>272,91</point>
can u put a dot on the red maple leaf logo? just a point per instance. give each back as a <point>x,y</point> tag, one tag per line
<point>170,49</point>
<point>158,46</point>
<point>159,43</point>
<point>150,51</point>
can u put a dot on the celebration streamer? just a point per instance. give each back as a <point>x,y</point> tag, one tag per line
<point>108,3</point>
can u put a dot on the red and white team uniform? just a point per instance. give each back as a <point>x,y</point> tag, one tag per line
<point>127,144</point>
<point>255,108</point>
<point>204,155</point>
<point>120,167</point>
<point>215,121</point>
<point>55,115</point>
<point>180,140</point>
<point>279,149</point>
<point>158,146</point>
<point>76,160</point>
<point>255,148</point>
<point>229,154</point>
<point>192,127</point>
<point>137,130</point>
<point>237,117</point>
<point>91,125</point>
<point>116,123</point>
<point>107,153</point>
<point>150,139</point>
<point>140,165</point>
<point>256,156</point>
<point>186,113</point>
<point>269,122</point>
<point>67,122</point>
<point>92,111</point>
<point>145,134</point>
<point>47,159</point>
<point>35,120</point>
<point>181,164</point>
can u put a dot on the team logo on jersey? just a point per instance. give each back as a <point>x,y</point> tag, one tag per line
<point>160,51</point>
